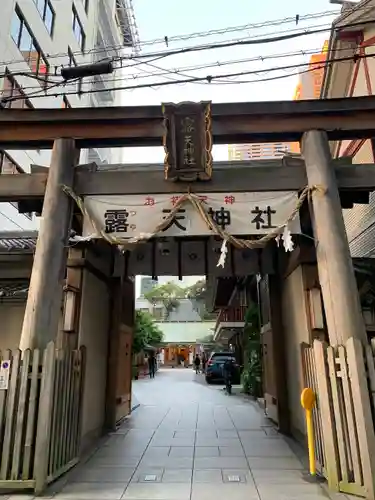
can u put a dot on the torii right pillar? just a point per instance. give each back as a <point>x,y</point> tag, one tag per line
<point>336,273</point>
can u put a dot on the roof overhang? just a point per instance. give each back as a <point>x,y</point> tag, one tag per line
<point>343,43</point>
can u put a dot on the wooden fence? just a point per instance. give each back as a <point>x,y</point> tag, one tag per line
<point>39,415</point>
<point>344,380</point>
<point>310,380</point>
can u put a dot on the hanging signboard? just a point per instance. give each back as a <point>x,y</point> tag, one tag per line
<point>237,213</point>
<point>187,141</point>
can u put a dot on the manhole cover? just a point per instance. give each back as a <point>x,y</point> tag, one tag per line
<point>150,477</point>
<point>234,479</point>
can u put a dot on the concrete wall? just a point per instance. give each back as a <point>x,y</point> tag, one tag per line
<point>93,334</point>
<point>296,331</point>
<point>11,319</point>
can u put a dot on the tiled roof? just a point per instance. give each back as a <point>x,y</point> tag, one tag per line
<point>13,289</point>
<point>181,333</point>
<point>22,241</point>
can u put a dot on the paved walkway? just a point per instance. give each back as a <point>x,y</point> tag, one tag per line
<point>189,441</point>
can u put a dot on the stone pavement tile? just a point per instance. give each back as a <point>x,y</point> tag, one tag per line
<point>220,463</point>
<point>231,476</point>
<point>161,491</point>
<point>92,491</point>
<point>172,442</point>
<point>157,451</point>
<point>291,492</point>
<point>149,476</point>
<point>237,491</point>
<point>231,451</point>
<point>212,476</point>
<point>280,477</point>
<point>108,451</point>
<point>112,461</point>
<point>209,434</point>
<point>203,441</point>
<point>227,434</point>
<point>266,448</point>
<point>177,476</point>
<point>207,451</point>
<point>184,434</point>
<point>181,451</point>
<point>103,474</point>
<point>252,435</point>
<point>167,462</point>
<point>115,440</point>
<point>281,463</point>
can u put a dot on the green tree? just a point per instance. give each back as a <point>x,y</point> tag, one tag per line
<point>197,291</point>
<point>145,331</point>
<point>169,294</point>
<point>252,372</point>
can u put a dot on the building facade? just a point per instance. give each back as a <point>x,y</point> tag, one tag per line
<point>310,82</point>
<point>352,78</point>
<point>37,37</point>
<point>258,151</point>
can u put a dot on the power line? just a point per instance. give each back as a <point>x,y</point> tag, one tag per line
<point>181,72</point>
<point>249,42</point>
<point>210,78</point>
<point>184,37</point>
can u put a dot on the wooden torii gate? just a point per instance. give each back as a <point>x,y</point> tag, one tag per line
<point>313,123</point>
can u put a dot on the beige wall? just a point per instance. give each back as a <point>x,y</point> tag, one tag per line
<point>296,331</point>
<point>93,334</point>
<point>11,319</point>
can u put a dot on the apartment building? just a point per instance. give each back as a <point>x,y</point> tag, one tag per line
<point>37,37</point>
<point>258,151</point>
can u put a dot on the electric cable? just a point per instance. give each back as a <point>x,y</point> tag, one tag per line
<point>208,78</point>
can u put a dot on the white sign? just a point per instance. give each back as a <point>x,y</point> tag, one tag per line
<point>4,374</point>
<point>238,213</point>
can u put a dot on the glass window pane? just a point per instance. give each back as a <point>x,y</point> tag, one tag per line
<point>15,29</point>
<point>40,6</point>
<point>25,40</point>
<point>49,18</point>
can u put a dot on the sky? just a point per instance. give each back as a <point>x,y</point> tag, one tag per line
<point>157,19</point>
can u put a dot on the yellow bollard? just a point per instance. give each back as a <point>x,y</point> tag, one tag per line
<point>308,401</point>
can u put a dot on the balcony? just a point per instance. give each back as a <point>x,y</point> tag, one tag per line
<point>229,321</point>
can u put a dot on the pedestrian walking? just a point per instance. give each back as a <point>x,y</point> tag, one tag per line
<point>197,363</point>
<point>204,362</point>
<point>151,365</point>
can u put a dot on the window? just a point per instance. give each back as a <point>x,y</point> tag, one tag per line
<point>47,14</point>
<point>73,62</point>
<point>78,30</point>
<point>11,89</point>
<point>8,166</point>
<point>28,46</point>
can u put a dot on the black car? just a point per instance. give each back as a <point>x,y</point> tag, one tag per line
<point>214,367</point>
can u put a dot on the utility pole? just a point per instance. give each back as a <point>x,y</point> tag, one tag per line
<point>43,307</point>
<point>336,273</point>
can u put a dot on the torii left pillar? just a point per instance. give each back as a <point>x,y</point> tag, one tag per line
<point>43,307</point>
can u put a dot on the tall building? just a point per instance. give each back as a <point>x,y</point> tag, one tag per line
<point>310,82</point>
<point>147,284</point>
<point>37,37</point>
<point>262,151</point>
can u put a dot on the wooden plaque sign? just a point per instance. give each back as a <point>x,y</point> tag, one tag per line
<point>187,141</point>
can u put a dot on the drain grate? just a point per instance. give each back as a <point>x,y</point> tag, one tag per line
<point>234,479</point>
<point>150,478</point>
